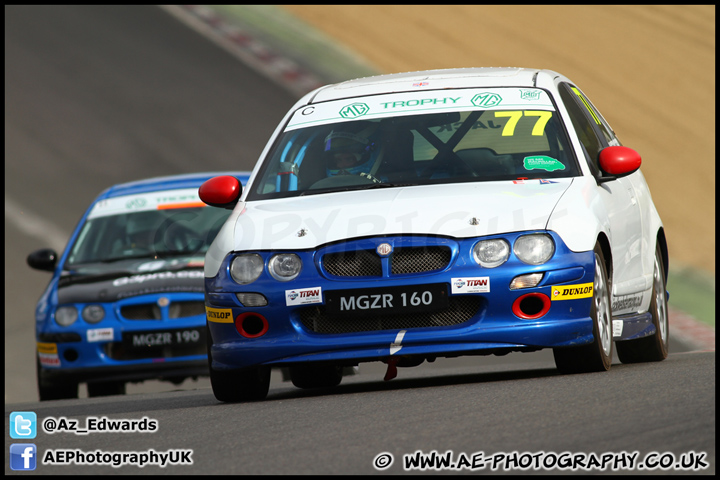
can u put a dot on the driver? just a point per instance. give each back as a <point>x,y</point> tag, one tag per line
<point>141,230</point>
<point>349,152</point>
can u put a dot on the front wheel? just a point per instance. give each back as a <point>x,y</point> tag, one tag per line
<point>238,385</point>
<point>653,348</point>
<point>596,356</point>
<point>62,391</point>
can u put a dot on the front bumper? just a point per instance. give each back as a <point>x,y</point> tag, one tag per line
<point>295,333</point>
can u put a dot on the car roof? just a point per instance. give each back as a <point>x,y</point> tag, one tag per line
<point>436,80</point>
<point>169,182</point>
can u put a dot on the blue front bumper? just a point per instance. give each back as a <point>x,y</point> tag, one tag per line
<point>300,333</point>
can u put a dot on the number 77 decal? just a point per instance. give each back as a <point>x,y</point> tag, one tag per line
<point>509,130</point>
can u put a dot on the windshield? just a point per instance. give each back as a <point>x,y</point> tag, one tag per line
<point>152,225</point>
<point>413,139</point>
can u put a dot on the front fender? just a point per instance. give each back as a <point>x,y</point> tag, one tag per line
<point>580,215</point>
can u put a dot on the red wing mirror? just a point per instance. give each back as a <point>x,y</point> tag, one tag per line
<point>619,161</point>
<point>223,191</point>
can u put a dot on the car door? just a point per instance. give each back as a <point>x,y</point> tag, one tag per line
<point>620,199</point>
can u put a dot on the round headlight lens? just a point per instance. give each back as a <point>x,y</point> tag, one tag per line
<point>246,268</point>
<point>534,249</point>
<point>284,266</point>
<point>491,253</point>
<point>93,313</point>
<point>66,316</point>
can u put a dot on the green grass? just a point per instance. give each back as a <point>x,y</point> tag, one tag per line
<point>693,292</point>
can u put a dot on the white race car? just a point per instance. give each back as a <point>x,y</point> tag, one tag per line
<point>405,217</point>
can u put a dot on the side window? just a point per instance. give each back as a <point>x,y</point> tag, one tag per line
<point>581,120</point>
<point>601,123</point>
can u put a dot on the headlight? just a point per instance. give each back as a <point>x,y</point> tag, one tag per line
<point>491,253</point>
<point>284,266</point>
<point>534,249</point>
<point>247,268</point>
<point>93,313</point>
<point>66,316</point>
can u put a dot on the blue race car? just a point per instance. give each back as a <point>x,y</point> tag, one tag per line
<point>406,217</point>
<point>125,303</point>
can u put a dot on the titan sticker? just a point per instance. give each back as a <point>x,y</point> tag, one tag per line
<point>219,315</point>
<point>470,285</point>
<point>303,296</point>
<point>100,335</point>
<point>571,292</point>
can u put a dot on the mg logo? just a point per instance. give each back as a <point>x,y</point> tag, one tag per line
<point>136,203</point>
<point>354,110</point>
<point>486,99</point>
<point>384,249</point>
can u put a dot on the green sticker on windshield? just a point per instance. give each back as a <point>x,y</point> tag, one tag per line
<point>542,162</point>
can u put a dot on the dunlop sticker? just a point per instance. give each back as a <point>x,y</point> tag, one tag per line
<point>219,315</point>
<point>47,347</point>
<point>48,355</point>
<point>571,292</point>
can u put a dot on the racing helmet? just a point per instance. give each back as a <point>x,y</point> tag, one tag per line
<point>142,226</point>
<point>350,150</point>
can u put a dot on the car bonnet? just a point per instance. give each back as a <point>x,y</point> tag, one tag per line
<point>454,210</point>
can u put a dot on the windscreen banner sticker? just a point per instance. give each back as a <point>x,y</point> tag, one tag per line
<point>470,285</point>
<point>542,162</point>
<point>303,296</point>
<point>100,335</point>
<point>415,102</point>
<point>182,198</point>
<point>48,354</point>
<point>219,315</point>
<point>572,292</point>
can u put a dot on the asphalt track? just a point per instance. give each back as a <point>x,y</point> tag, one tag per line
<point>88,105</point>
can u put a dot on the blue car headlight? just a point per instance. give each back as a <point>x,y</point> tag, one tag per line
<point>284,266</point>
<point>246,268</point>
<point>491,253</point>
<point>66,316</point>
<point>534,249</point>
<point>93,313</point>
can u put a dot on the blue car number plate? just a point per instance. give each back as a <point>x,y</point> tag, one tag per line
<point>389,300</point>
<point>187,337</point>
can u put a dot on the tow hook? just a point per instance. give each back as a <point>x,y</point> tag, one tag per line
<point>391,368</point>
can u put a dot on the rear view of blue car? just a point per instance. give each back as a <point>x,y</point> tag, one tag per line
<point>126,299</point>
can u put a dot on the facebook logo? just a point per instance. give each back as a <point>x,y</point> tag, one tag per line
<point>23,425</point>
<point>23,456</point>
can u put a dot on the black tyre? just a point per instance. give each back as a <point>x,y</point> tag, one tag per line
<point>59,391</point>
<point>238,385</point>
<point>105,389</point>
<point>316,376</point>
<point>595,356</point>
<point>652,348</point>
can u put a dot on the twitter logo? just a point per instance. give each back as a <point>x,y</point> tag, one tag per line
<point>23,425</point>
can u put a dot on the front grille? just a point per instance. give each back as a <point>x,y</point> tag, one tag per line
<point>460,309</point>
<point>403,261</point>
<point>353,263</point>
<point>151,311</point>
<point>145,311</point>
<point>419,259</point>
